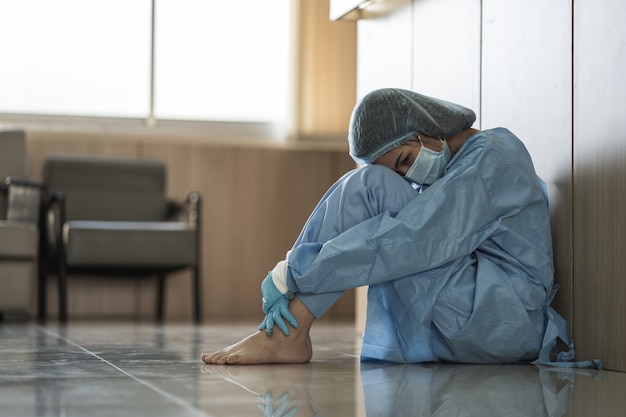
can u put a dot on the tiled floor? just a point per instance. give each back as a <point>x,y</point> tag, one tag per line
<point>146,370</point>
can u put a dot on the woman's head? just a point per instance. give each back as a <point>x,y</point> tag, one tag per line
<point>390,117</point>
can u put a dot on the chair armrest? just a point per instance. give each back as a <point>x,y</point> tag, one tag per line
<point>174,210</point>
<point>23,199</point>
<point>193,206</point>
<point>52,223</point>
<point>186,211</point>
<point>23,182</point>
<point>55,209</point>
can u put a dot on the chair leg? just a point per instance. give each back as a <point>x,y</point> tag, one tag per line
<point>42,278</point>
<point>197,291</point>
<point>160,308</point>
<point>42,293</point>
<point>62,284</point>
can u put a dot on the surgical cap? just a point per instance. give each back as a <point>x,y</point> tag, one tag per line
<point>385,119</point>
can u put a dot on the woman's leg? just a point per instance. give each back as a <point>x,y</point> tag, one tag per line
<point>259,348</point>
<point>359,195</point>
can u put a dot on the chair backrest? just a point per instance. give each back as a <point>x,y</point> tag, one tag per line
<point>12,160</point>
<point>108,188</point>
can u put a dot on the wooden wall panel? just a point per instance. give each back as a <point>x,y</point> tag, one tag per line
<point>600,181</point>
<point>41,144</point>
<point>326,67</point>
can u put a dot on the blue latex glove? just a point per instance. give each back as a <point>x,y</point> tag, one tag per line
<point>276,308</point>
<point>270,293</point>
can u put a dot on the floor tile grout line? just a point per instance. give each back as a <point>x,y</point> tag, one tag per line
<point>148,385</point>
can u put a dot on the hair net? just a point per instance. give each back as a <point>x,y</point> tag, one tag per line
<point>385,119</point>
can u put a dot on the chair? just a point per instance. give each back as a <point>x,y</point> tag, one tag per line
<point>109,216</point>
<point>19,234</point>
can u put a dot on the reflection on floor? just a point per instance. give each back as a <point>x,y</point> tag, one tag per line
<point>146,370</point>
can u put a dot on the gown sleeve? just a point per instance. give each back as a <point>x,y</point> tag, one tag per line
<point>489,187</point>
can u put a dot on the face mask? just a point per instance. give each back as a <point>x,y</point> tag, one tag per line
<point>429,165</point>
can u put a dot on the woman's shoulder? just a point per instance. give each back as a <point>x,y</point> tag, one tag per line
<point>499,141</point>
<point>494,153</point>
<point>496,134</point>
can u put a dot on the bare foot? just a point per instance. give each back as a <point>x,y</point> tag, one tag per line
<point>259,348</point>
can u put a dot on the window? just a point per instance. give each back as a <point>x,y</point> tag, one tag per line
<point>196,60</point>
<point>73,57</point>
<point>209,67</point>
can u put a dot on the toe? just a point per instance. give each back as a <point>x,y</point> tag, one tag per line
<point>232,359</point>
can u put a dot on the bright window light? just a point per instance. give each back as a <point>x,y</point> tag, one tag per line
<point>75,57</point>
<point>222,60</point>
<point>214,60</point>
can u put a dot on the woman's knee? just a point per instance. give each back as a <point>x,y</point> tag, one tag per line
<point>381,185</point>
<point>377,175</point>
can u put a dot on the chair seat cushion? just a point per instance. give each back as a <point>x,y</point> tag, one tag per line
<point>18,240</point>
<point>129,244</point>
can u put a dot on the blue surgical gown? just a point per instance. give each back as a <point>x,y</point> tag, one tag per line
<point>461,272</point>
